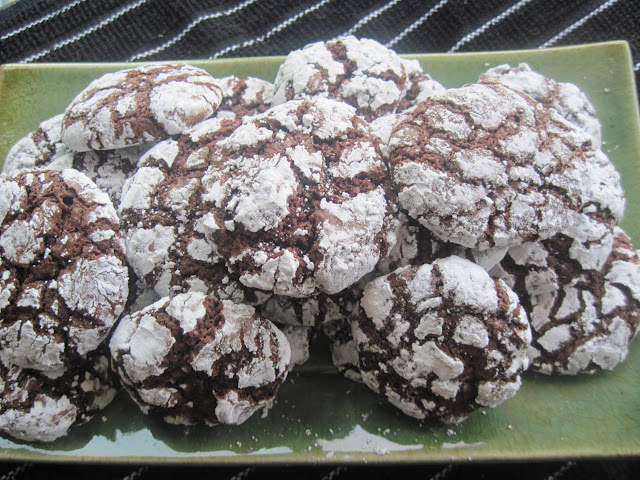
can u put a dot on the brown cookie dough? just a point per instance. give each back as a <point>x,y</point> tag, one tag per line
<point>441,340</point>
<point>487,166</point>
<point>299,199</point>
<point>420,85</point>
<point>360,72</point>
<point>139,105</point>
<point>583,314</point>
<point>195,359</point>
<point>162,217</point>
<point>35,407</point>
<point>337,312</point>
<point>43,150</point>
<point>566,98</point>
<point>63,277</point>
<point>242,97</point>
<point>38,148</point>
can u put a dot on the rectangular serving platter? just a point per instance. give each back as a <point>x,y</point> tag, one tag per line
<point>320,417</point>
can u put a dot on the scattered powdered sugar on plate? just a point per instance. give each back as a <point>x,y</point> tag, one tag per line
<point>359,440</point>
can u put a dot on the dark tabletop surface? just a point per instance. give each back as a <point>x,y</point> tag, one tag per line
<point>150,30</point>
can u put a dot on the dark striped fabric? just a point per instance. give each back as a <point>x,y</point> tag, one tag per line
<point>130,30</point>
<point>124,30</point>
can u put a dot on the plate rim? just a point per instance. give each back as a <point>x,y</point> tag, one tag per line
<point>453,455</point>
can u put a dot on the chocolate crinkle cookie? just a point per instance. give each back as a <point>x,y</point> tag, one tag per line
<point>242,97</point>
<point>194,359</point>
<point>161,213</point>
<point>37,149</point>
<point>486,166</point>
<point>299,338</point>
<point>420,85</point>
<point>38,407</point>
<point>565,98</point>
<point>335,323</point>
<point>299,200</point>
<point>109,169</point>
<point>63,276</point>
<point>139,105</point>
<point>441,340</point>
<point>360,72</point>
<point>583,315</point>
<point>163,219</point>
<point>415,246</point>
<point>44,150</point>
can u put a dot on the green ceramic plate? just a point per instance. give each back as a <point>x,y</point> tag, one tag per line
<point>322,417</point>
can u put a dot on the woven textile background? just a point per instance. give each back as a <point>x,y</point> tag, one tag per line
<point>130,30</point>
<point>123,30</point>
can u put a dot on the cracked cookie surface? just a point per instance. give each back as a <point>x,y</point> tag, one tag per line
<point>194,359</point>
<point>487,166</point>
<point>583,314</point>
<point>63,277</point>
<point>441,340</point>
<point>139,105</point>
<point>39,407</point>
<point>360,72</point>
<point>299,199</point>
<point>566,98</point>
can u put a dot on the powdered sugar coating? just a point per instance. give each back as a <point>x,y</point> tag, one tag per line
<point>583,314</point>
<point>566,98</point>
<point>415,246</point>
<point>299,338</point>
<point>361,72</point>
<point>64,279</point>
<point>43,149</point>
<point>243,97</point>
<point>442,339</point>
<point>335,323</point>
<point>109,169</point>
<point>37,148</point>
<point>381,129</point>
<point>420,85</point>
<point>197,360</point>
<point>35,407</point>
<point>299,198</point>
<point>162,216</point>
<point>486,166</point>
<point>139,105</point>
<point>303,312</point>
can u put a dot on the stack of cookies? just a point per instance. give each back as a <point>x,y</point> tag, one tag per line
<point>185,237</point>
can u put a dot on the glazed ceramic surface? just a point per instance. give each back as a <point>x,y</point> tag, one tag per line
<point>320,416</point>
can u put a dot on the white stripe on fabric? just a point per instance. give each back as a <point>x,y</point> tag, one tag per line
<point>375,14</point>
<point>273,31</point>
<point>636,67</point>
<point>415,24</point>
<point>486,26</point>
<point>39,21</point>
<point>578,24</point>
<point>84,33</point>
<point>191,26</point>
